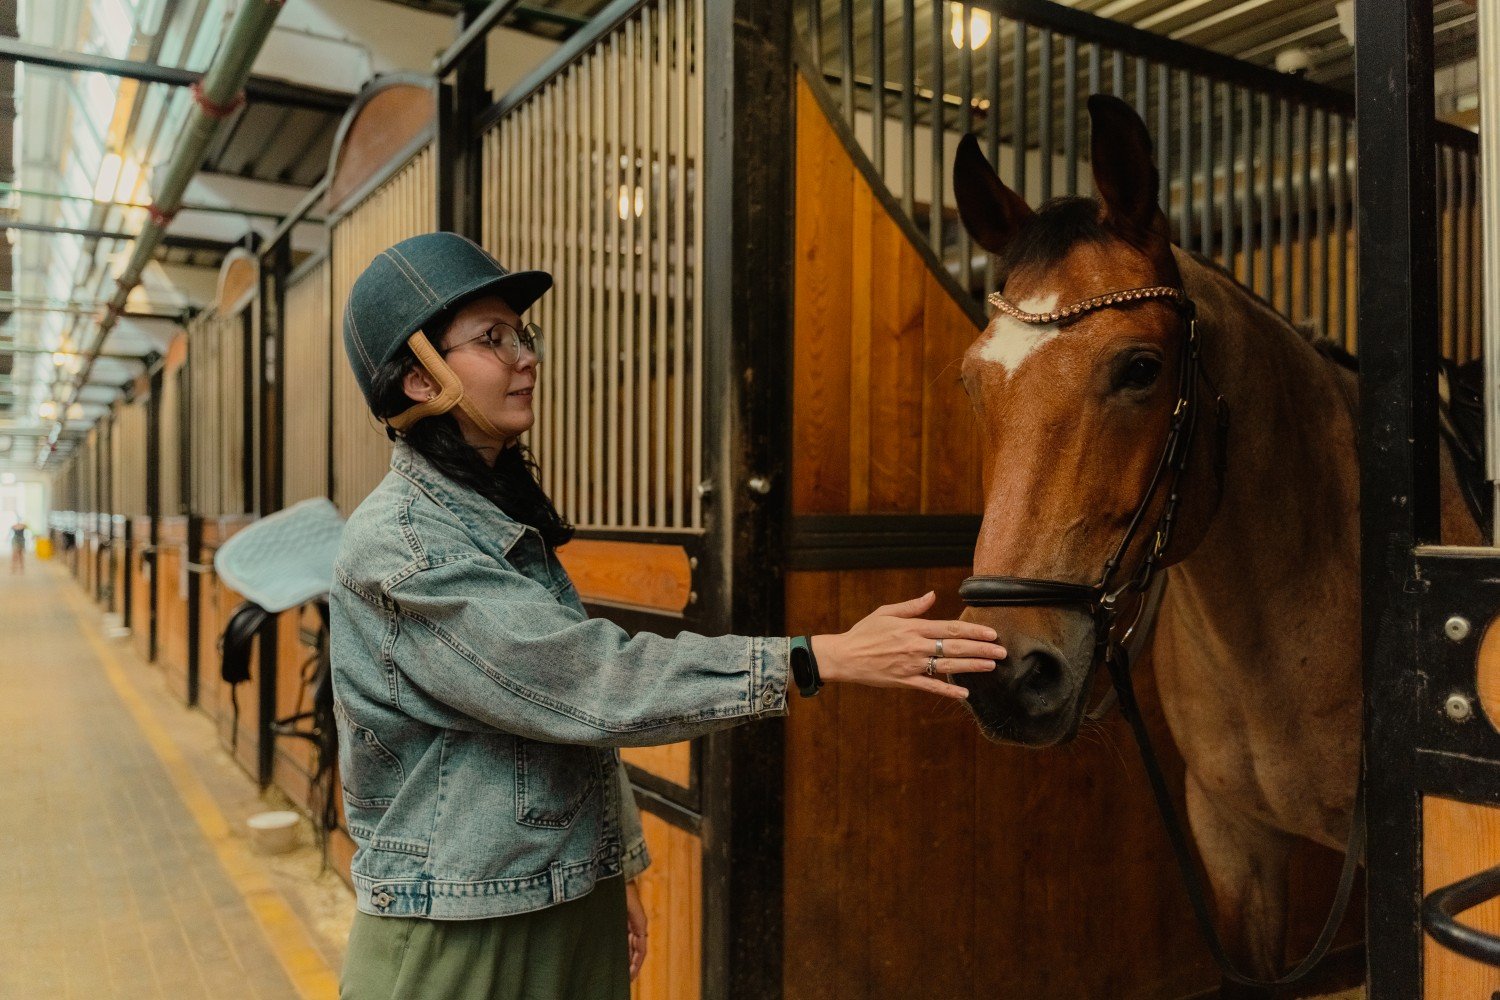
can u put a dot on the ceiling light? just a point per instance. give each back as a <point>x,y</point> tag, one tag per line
<point>47,411</point>
<point>7,479</point>
<point>979,26</point>
<point>75,412</point>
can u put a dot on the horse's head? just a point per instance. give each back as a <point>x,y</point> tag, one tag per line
<point>1074,416</point>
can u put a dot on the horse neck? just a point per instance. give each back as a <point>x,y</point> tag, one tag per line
<point>1290,503</point>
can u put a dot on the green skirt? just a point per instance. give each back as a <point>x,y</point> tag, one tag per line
<point>573,951</point>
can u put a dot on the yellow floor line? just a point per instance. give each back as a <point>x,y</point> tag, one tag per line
<point>287,935</point>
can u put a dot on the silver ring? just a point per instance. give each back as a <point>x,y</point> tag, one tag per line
<point>939,653</point>
<point>931,666</point>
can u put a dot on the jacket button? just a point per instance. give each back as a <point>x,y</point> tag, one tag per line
<point>768,698</point>
<point>382,899</point>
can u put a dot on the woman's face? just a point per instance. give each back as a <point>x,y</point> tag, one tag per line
<point>500,391</point>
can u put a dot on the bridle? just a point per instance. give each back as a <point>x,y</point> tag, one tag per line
<point>1103,600</point>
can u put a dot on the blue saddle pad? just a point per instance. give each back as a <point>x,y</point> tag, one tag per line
<point>286,558</point>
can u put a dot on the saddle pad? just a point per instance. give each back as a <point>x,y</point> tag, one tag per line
<point>286,558</point>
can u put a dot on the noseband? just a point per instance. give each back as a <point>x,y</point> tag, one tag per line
<point>1102,601</point>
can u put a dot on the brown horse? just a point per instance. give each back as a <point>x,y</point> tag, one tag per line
<point>1256,648</point>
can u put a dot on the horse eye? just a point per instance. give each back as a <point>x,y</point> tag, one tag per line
<point>1140,372</point>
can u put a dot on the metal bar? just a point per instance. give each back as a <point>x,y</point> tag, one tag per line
<point>1070,114</point>
<point>846,56</point>
<point>609,356</point>
<point>1206,137</point>
<point>1304,212</point>
<point>1185,150</point>
<point>815,19</point>
<point>176,242</point>
<point>1288,306</point>
<point>1398,460</point>
<point>699,111</point>
<point>7,190</point>
<point>680,487</point>
<point>663,260</point>
<point>1267,191</point>
<point>1044,113</point>
<point>1246,268</point>
<point>1164,136</point>
<point>908,108</point>
<point>1018,102</point>
<point>629,348</point>
<point>966,124</point>
<point>1463,288</point>
<point>261,90</point>
<point>1228,215</point>
<point>936,127</point>
<point>596,243</point>
<point>1117,77</point>
<point>1320,216</point>
<point>1096,57</point>
<point>992,121</point>
<point>1447,189</point>
<point>1489,203</point>
<point>877,55</point>
<point>575,321</point>
<point>1341,230</point>
<point>642,273</point>
<point>472,37</point>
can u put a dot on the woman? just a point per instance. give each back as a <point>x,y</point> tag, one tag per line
<point>479,708</point>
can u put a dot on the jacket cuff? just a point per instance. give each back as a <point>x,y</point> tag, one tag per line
<point>770,673</point>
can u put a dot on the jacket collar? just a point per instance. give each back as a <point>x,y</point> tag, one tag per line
<point>484,520</point>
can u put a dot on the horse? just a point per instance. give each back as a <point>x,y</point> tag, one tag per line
<point>1256,646</point>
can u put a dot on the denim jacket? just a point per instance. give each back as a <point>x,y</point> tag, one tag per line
<point>479,708</point>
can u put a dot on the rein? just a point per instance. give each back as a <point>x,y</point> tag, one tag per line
<point>1102,599</point>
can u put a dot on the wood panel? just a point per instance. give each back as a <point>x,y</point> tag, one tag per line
<point>1458,840</point>
<point>172,604</point>
<point>673,762</point>
<point>216,603</point>
<point>295,759</point>
<point>672,895</point>
<point>633,574</point>
<point>881,423</point>
<point>1488,673</point>
<point>386,124</point>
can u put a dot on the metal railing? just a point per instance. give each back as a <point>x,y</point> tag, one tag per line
<point>591,173</point>
<point>1257,168</point>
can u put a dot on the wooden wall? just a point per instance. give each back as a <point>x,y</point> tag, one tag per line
<point>216,603</point>
<point>141,587</point>
<point>171,581</point>
<point>672,895</point>
<point>922,860</point>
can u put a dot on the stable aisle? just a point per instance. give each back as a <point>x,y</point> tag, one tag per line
<point>120,875</point>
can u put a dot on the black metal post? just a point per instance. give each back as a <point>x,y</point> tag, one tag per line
<point>748,192</point>
<point>1398,452</point>
<point>460,100</point>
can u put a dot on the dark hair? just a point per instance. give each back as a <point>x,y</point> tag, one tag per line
<point>512,483</point>
<point>1056,228</point>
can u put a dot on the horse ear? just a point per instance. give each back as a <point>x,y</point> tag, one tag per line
<point>991,212</point>
<point>1125,174</point>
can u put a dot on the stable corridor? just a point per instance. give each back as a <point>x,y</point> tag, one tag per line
<point>125,869</point>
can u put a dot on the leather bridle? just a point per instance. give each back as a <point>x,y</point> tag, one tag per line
<point>1102,600</point>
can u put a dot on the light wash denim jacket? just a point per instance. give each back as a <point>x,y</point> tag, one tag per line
<point>479,707</point>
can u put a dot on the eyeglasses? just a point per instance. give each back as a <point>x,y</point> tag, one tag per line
<point>506,341</point>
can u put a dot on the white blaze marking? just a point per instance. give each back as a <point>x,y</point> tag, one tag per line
<point>1013,341</point>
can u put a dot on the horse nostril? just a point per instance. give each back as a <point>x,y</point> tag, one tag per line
<point>1040,683</point>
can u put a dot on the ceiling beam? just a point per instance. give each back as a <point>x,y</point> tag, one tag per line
<point>171,241</point>
<point>259,89</point>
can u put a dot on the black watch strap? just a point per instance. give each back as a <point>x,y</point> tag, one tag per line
<point>805,666</point>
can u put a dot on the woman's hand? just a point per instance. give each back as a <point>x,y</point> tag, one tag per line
<point>635,920</point>
<point>890,647</point>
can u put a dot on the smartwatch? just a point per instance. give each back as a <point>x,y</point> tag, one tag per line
<point>805,666</point>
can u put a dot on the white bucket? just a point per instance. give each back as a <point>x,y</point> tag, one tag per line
<point>274,832</point>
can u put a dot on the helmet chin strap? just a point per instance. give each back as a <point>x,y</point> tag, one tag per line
<point>450,392</point>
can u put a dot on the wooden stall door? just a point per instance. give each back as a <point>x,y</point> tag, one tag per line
<point>920,859</point>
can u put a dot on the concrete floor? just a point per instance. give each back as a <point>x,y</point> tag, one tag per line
<point>126,869</point>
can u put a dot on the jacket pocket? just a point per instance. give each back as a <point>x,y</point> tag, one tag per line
<point>553,781</point>
<point>371,774</point>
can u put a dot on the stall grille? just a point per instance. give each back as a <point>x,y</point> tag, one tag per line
<point>593,176</point>
<point>402,206</point>
<point>1257,167</point>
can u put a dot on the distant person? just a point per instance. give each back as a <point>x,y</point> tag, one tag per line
<point>18,547</point>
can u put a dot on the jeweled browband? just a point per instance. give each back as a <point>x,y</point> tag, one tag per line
<point>1175,295</point>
